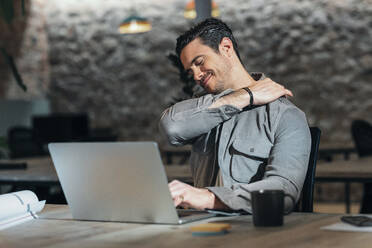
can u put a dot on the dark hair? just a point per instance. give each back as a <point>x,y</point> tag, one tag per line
<point>211,31</point>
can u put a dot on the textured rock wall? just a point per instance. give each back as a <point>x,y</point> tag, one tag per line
<point>322,50</point>
<point>123,81</point>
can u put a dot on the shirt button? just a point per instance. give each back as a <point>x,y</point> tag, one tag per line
<point>228,108</point>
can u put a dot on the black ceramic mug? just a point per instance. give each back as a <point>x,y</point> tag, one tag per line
<point>268,207</point>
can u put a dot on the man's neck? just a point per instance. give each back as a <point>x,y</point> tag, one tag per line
<point>240,78</point>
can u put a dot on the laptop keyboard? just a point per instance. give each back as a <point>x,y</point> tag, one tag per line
<point>188,212</point>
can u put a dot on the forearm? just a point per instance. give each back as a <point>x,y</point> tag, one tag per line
<point>263,91</point>
<point>189,119</point>
<point>238,197</point>
<point>239,99</point>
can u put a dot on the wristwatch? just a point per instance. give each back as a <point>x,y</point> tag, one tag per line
<point>251,96</point>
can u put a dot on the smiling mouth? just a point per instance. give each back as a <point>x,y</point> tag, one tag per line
<point>205,79</point>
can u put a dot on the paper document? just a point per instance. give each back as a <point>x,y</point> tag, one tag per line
<point>18,207</point>
<point>340,226</point>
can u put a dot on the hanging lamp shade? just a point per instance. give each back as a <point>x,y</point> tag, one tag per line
<point>134,24</point>
<point>190,11</point>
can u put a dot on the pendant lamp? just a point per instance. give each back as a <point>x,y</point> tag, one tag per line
<point>134,24</point>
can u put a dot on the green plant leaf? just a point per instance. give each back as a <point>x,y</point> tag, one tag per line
<point>10,61</point>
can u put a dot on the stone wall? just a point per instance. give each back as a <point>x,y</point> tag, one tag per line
<point>320,49</point>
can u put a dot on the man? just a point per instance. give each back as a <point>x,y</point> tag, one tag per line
<point>245,134</point>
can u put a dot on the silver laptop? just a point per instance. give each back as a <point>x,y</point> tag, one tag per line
<point>120,181</point>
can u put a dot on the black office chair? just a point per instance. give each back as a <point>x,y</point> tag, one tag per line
<point>362,136</point>
<point>306,201</point>
<point>22,143</point>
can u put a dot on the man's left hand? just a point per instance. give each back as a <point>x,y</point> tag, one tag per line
<point>188,196</point>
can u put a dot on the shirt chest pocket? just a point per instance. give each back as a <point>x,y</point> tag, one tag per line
<point>248,160</point>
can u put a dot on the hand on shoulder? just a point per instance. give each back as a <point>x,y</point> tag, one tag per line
<point>266,90</point>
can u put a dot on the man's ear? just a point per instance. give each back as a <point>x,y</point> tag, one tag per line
<point>226,47</point>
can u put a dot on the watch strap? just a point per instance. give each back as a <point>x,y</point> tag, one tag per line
<point>251,96</point>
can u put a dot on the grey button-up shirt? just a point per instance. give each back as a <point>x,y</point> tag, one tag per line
<point>265,147</point>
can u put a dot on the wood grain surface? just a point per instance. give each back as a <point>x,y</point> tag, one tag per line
<point>55,228</point>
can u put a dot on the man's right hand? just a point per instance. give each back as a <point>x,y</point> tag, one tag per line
<point>266,90</point>
<point>263,91</point>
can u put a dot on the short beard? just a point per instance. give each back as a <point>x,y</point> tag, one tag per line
<point>219,87</point>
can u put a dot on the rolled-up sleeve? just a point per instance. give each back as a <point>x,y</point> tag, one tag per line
<point>286,168</point>
<point>191,118</point>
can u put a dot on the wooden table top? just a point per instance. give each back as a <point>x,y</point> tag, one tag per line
<point>42,170</point>
<point>354,168</point>
<point>39,169</point>
<point>55,228</point>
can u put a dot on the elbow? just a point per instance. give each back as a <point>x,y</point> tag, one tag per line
<point>173,135</point>
<point>171,131</point>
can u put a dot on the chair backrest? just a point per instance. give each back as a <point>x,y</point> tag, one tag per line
<point>362,136</point>
<point>306,201</point>
<point>22,144</point>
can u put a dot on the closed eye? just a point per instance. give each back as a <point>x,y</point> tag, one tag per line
<point>199,62</point>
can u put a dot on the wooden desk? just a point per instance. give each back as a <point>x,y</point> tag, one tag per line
<point>327,153</point>
<point>357,170</point>
<point>57,229</point>
<point>346,171</point>
<point>40,171</point>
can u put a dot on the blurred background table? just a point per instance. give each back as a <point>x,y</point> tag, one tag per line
<point>40,173</point>
<point>346,171</point>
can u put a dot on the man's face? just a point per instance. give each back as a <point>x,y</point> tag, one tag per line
<point>209,68</point>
